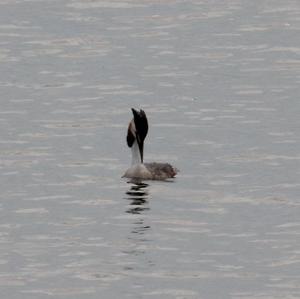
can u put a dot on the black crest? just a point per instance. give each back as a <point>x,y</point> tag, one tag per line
<point>141,123</point>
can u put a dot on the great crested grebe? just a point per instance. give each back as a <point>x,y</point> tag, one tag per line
<point>136,134</point>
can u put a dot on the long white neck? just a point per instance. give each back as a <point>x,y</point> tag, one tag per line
<point>135,152</point>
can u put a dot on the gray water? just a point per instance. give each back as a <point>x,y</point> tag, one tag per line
<point>219,81</point>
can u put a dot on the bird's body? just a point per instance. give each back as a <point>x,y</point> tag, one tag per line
<point>151,171</point>
<point>137,131</point>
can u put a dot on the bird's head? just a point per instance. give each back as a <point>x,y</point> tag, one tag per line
<point>137,130</point>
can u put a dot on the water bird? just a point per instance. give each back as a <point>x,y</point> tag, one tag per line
<point>136,134</point>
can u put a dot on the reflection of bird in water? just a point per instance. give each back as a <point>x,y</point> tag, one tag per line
<point>140,233</point>
<point>137,132</point>
<point>138,195</point>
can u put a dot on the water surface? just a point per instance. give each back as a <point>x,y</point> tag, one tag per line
<point>220,84</point>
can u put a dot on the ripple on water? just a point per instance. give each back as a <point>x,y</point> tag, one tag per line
<point>220,84</point>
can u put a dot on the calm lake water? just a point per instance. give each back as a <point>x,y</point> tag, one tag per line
<point>219,81</point>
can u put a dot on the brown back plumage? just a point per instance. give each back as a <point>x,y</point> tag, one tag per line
<point>130,135</point>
